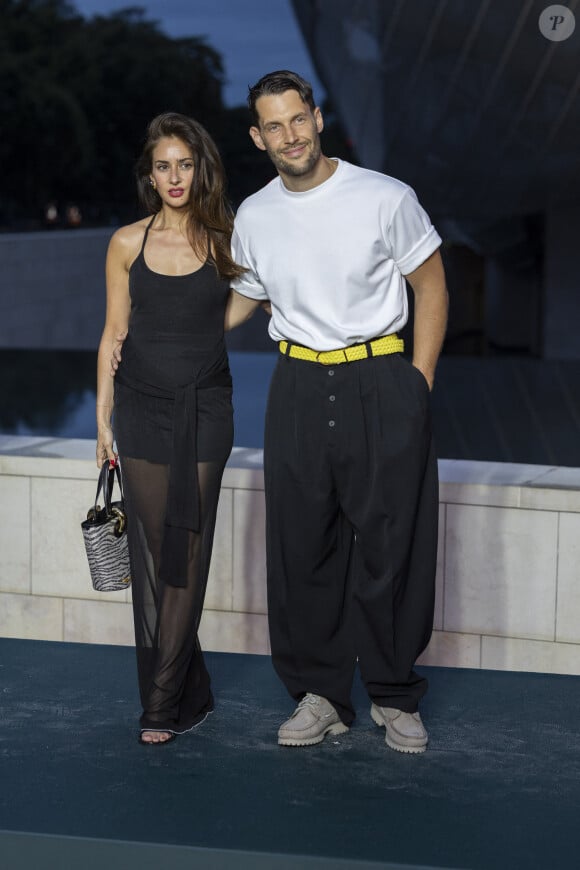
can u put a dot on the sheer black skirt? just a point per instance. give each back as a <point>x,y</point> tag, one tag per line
<point>174,683</point>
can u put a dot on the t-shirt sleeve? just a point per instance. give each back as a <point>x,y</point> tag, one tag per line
<point>249,283</point>
<point>412,236</point>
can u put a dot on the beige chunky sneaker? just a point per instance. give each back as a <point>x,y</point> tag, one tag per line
<point>311,721</point>
<point>403,731</point>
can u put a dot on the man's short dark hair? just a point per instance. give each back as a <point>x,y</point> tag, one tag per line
<point>279,82</point>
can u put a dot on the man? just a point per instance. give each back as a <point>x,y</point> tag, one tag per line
<point>350,471</point>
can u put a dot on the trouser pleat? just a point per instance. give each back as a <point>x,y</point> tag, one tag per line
<point>352,506</point>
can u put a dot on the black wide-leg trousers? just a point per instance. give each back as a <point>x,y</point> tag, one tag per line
<point>352,508</point>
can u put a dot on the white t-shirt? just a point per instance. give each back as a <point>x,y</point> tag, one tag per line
<point>332,259</point>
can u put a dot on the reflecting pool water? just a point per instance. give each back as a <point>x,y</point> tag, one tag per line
<point>506,409</point>
<point>52,393</point>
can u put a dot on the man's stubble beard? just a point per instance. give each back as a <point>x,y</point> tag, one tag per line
<point>296,170</point>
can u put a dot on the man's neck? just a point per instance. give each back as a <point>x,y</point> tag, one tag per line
<point>317,176</point>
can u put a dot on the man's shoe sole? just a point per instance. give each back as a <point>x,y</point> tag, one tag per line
<point>412,747</point>
<point>335,729</point>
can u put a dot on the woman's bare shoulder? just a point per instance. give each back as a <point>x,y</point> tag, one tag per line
<point>129,234</point>
<point>127,240</point>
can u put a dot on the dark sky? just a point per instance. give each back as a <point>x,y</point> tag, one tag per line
<point>253,36</point>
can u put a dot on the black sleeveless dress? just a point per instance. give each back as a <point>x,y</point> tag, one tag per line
<point>173,425</point>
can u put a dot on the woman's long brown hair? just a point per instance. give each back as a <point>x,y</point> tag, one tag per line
<point>210,219</point>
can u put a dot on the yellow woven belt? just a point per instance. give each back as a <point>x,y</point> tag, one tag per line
<point>377,347</point>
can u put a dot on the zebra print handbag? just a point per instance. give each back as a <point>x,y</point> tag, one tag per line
<point>105,535</point>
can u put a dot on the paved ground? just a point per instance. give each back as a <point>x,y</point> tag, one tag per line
<point>498,788</point>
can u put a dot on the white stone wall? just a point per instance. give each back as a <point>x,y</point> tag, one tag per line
<point>52,288</point>
<point>508,595</point>
<point>507,584</point>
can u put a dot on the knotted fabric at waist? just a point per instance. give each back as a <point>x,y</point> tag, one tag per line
<point>183,498</point>
<point>376,347</point>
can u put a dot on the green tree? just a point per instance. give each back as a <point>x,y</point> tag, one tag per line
<point>133,73</point>
<point>43,119</point>
<point>78,95</point>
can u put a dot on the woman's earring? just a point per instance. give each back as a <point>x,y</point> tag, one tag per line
<point>152,183</point>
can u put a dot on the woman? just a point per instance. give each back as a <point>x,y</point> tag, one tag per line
<point>167,284</point>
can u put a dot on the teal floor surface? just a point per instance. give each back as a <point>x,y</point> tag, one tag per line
<point>499,786</point>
